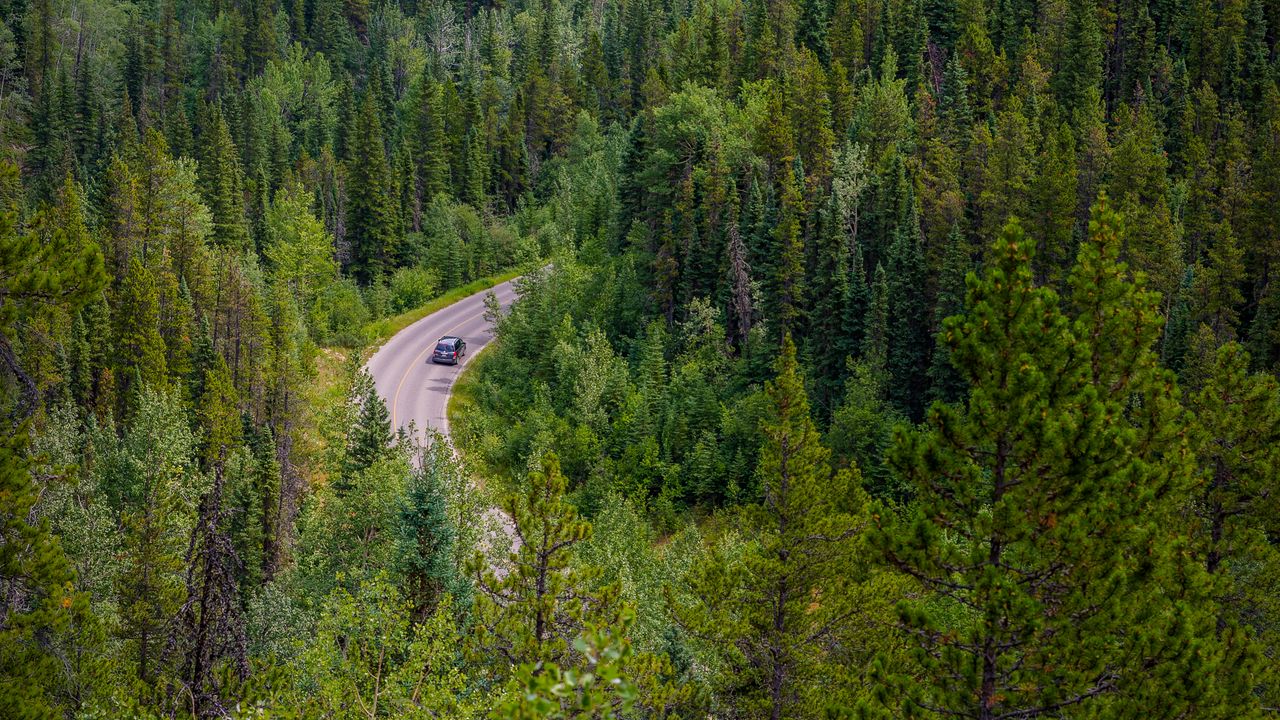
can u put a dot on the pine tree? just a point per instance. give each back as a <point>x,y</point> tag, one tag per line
<point>775,613</point>
<point>787,283</point>
<point>1045,484</point>
<point>1237,437</point>
<point>832,346</point>
<point>372,219</point>
<point>41,272</point>
<point>532,600</point>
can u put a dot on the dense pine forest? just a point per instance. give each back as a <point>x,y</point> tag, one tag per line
<point>873,359</point>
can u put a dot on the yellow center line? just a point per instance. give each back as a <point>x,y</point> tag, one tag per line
<point>395,399</point>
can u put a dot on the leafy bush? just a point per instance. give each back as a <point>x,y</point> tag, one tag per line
<point>412,287</point>
<point>339,314</point>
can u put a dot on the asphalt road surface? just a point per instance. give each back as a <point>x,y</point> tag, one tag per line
<point>416,389</point>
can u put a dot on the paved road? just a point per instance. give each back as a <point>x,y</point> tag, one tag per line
<point>414,388</point>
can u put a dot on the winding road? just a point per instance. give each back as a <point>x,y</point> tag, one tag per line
<point>417,390</point>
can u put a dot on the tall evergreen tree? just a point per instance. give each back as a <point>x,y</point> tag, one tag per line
<point>776,613</point>
<point>372,219</point>
<point>222,181</point>
<point>907,336</point>
<point>369,438</point>
<point>1046,485</point>
<point>426,535</point>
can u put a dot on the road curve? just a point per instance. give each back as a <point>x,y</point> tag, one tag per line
<point>417,390</point>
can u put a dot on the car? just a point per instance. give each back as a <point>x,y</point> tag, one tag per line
<point>449,349</point>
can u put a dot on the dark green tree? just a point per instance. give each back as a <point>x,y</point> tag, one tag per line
<point>774,614</point>
<point>426,535</point>
<point>369,438</point>
<point>373,231</point>
<point>1044,484</point>
<point>907,336</point>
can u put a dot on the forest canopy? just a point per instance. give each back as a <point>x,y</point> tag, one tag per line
<point>872,358</point>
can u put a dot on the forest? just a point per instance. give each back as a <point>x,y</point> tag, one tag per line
<point>872,359</point>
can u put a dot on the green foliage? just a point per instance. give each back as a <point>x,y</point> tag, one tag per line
<point>45,606</point>
<point>205,208</point>
<point>1028,495</point>
<point>389,665</point>
<point>773,613</point>
<point>531,602</point>
<point>426,537</point>
<point>372,222</point>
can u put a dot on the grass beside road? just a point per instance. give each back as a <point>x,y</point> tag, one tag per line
<point>463,411</point>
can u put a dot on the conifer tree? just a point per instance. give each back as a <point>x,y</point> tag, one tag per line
<point>775,613</point>
<point>1053,206</point>
<point>222,181</point>
<point>1081,69</point>
<point>370,437</point>
<point>945,382</point>
<point>907,330</point>
<point>1054,500</point>
<point>787,281</point>
<point>1237,438</point>
<point>875,339</point>
<point>433,151</point>
<point>372,218</point>
<point>426,536</point>
<point>532,601</point>
<point>39,273</point>
<point>141,349</point>
<point>219,414</point>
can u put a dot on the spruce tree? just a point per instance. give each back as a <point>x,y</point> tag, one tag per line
<point>1081,69</point>
<point>369,438</point>
<point>222,181</point>
<point>945,382</point>
<point>432,150</point>
<point>372,218</point>
<point>907,336</point>
<point>426,535</point>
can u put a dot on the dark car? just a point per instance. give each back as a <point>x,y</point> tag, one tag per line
<point>449,349</point>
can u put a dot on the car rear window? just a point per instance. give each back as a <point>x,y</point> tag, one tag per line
<point>445,346</point>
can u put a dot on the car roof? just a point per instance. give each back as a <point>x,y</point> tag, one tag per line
<point>449,338</point>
